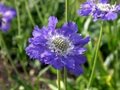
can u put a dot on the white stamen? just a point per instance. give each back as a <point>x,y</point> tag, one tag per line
<point>106,7</point>
<point>60,44</point>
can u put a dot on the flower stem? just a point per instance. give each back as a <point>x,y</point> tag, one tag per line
<point>19,33</point>
<point>29,13</point>
<point>95,58</point>
<point>58,79</point>
<point>66,10</point>
<point>65,78</point>
<point>66,20</point>
<point>18,18</point>
<point>38,11</point>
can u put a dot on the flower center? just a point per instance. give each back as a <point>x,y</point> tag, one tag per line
<point>105,7</point>
<point>60,44</point>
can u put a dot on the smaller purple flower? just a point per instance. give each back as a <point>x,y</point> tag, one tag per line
<point>59,48</point>
<point>100,10</point>
<point>6,16</point>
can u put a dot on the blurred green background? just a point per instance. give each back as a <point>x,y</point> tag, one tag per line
<point>18,72</point>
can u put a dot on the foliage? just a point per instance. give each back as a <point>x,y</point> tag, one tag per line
<point>21,73</point>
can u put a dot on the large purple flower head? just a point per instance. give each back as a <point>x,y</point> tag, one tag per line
<point>99,10</point>
<point>60,48</point>
<point>6,15</point>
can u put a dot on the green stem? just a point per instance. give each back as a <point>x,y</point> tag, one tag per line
<point>117,64</point>
<point>40,74</point>
<point>65,78</point>
<point>66,10</point>
<point>29,14</point>
<point>66,20</point>
<point>38,11</point>
<point>19,32</point>
<point>58,79</point>
<point>18,18</point>
<point>95,58</point>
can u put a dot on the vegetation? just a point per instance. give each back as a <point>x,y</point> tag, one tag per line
<point>19,72</point>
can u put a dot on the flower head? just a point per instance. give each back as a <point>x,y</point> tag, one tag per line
<point>60,48</point>
<point>6,15</point>
<point>99,10</point>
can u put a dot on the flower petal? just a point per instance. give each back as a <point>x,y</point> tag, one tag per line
<point>40,40</point>
<point>103,1</point>
<point>39,32</point>
<point>57,63</point>
<point>34,51</point>
<point>52,22</point>
<point>118,8</point>
<point>111,16</point>
<point>5,26</point>
<point>47,56</point>
<point>75,38</point>
<point>10,14</point>
<point>85,9</point>
<point>68,29</point>
<point>77,70</point>
<point>69,62</point>
<point>36,32</point>
<point>78,51</point>
<point>82,42</point>
<point>79,59</point>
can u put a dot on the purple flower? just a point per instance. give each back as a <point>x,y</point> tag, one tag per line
<point>100,10</point>
<point>60,48</point>
<point>6,16</point>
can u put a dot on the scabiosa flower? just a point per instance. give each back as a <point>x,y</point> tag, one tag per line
<point>60,48</point>
<point>6,16</point>
<point>99,10</point>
